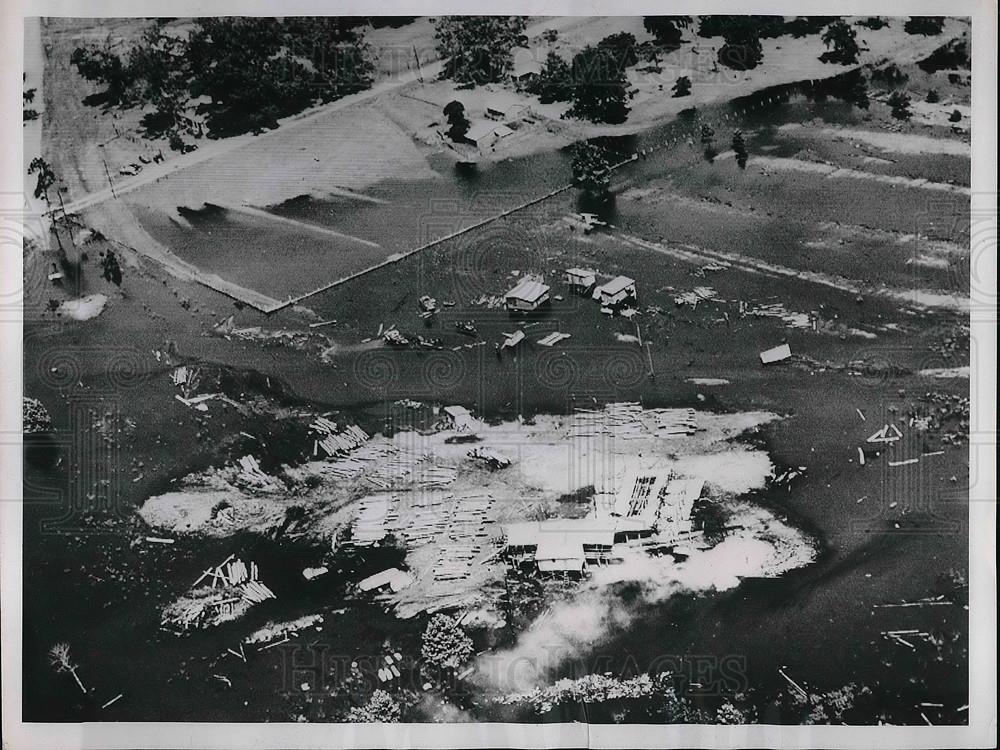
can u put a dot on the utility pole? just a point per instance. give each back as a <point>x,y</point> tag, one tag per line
<point>420,72</point>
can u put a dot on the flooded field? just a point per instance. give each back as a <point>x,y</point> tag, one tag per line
<point>866,281</point>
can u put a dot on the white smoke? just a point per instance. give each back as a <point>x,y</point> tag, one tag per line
<point>764,548</point>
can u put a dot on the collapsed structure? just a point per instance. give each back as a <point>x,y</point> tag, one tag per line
<point>651,511</point>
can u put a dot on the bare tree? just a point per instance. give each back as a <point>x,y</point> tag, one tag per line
<point>61,662</point>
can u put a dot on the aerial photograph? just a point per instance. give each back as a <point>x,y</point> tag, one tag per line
<point>522,369</point>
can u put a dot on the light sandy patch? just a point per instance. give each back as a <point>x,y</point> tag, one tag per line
<point>928,261</point>
<point>693,254</point>
<point>787,164</point>
<point>945,372</point>
<point>84,308</point>
<point>901,143</point>
<point>707,381</point>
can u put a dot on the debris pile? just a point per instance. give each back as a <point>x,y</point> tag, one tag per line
<point>249,474</point>
<point>282,630</point>
<point>553,338</point>
<point>491,458</point>
<point>696,295</point>
<point>36,417</point>
<point>233,590</point>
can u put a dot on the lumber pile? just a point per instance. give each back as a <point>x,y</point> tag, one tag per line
<point>234,587</point>
<point>333,441</point>
<point>628,420</point>
<point>250,474</point>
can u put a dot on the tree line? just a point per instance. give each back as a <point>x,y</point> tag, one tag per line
<point>228,75</point>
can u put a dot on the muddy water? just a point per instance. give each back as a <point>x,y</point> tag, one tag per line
<point>169,677</point>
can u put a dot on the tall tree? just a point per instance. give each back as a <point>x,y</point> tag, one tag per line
<point>477,49</point>
<point>444,645</point>
<point>841,43</point>
<point>600,88</point>
<point>555,81</point>
<point>591,170</point>
<point>682,86</point>
<point>667,30</point>
<point>740,149</point>
<point>46,177</point>
<point>900,104</point>
<point>924,25</point>
<point>741,50</point>
<point>458,123</point>
<point>381,708</point>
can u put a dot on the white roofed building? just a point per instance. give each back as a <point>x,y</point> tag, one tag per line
<point>529,294</point>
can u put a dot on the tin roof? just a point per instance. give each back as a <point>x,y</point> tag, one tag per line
<point>617,284</point>
<point>529,290</point>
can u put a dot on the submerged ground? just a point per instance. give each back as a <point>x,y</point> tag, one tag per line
<point>869,266</point>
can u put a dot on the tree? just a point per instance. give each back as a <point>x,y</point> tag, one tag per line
<point>381,708</point>
<point>600,88</point>
<point>727,713</point>
<point>932,97</point>
<point>444,645</point>
<point>477,49</point>
<point>667,30</point>
<point>46,177</point>
<point>111,268</point>
<point>622,46</point>
<point>841,42</point>
<point>682,86</point>
<point>873,22</point>
<point>924,25</point>
<point>591,170</point>
<point>955,116</point>
<point>742,50</point>
<point>244,72</point>
<point>28,97</point>
<point>708,140</point>
<point>457,121</point>
<point>900,103</point>
<point>555,81</point>
<point>740,149</point>
<point>60,660</point>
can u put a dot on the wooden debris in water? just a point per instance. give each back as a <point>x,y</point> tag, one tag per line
<point>112,701</point>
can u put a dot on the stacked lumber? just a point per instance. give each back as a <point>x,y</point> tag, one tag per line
<point>250,473</point>
<point>628,420</point>
<point>334,442</point>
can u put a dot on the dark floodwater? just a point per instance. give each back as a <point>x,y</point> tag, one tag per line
<point>278,259</point>
<point>171,677</point>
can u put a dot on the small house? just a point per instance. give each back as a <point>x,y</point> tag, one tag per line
<point>495,113</point>
<point>617,292</point>
<point>459,418</point>
<point>484,134</point>
<point>559,556</point>
<point>529,294</point>
<point>579,279</point>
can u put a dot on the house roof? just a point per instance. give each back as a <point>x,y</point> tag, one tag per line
<point>561,531</point>
<point>559,549</point>
<point>456,411</point>
<point>617,284</point>
<point>480,130</point>
<point>529,290</point>
<point>581,272</point>
<point>502,131</point>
